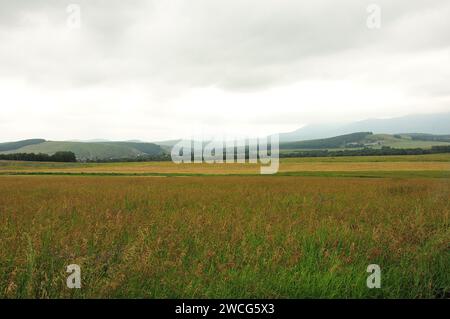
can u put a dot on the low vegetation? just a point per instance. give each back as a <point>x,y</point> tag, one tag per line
<point>137,230</point>
<point>432,165</point>
<point>223,237</point>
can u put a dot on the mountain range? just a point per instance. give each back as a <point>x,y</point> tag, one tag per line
<point>413,131</point>
<point>417,123</point>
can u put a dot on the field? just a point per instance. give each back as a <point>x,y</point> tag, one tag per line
<point>226,236</point>
<point>424,165</point>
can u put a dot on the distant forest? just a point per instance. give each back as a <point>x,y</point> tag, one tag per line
<point>332,142</point>
<point>385,150</point>
<point>57,157</point>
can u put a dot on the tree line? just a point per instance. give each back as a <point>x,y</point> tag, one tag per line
<point>143,158</point>
<point>41,157</point>
<point>384,151</point>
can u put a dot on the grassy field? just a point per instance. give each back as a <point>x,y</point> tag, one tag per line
<point>435,164</point>
<point>310,234</point>
<point>223,236</point>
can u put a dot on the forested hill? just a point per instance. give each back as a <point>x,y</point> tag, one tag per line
<point>85,150</point>
<point>342,141</point>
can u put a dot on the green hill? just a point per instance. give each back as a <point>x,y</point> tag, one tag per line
<point>147,148</point>
<point>409,140</point>
<point>105,150</point>
<point>16,145</point>
<point>428,137</point>
<point>93,151</point>
<point>342,141</point>
<point>369,140</point>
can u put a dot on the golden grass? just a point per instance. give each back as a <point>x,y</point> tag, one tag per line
<point>339,164</point>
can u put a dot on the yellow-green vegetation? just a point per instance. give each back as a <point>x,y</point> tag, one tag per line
<point>433,165</point>
<point>309,231</point>
<point>402,141</point>
<point>223,236</point>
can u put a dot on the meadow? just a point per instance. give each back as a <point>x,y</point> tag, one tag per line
<point>428,165</point>
<point>224,236</point>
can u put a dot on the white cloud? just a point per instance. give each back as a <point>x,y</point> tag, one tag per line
<point>161,69</point>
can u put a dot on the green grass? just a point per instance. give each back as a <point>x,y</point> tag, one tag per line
<point>374,174</point>
<point>223,237</point>
<point>349,159</point>
<point>361,174</point>
<point>170,169</point>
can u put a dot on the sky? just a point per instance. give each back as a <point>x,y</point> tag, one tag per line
<point>156,70</point>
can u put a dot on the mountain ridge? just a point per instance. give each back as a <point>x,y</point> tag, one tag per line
<point>435,123</point>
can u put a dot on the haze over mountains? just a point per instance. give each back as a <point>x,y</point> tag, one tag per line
<point>418,123</point>
<point>372,133</point>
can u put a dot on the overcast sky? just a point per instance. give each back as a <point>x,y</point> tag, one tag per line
<point>154,70</point>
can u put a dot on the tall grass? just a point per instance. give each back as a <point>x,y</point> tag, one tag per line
<point>286,236</point>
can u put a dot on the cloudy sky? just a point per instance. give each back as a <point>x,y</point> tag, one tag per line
<point>154,70</point>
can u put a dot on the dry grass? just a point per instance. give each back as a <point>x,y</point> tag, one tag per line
<point>437,162</point>
<point>223,236</point>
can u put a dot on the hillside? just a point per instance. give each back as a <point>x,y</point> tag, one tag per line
<point>139,150</point>
<point>370,140</point>
<point>429,137</point>
<point>16,145</point>
<point>348,140</point>
<point>93,151</point>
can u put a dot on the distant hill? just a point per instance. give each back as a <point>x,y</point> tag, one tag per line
<point>167,145</point>
<point>145,148</point>
<point>16,145</point>
<point>91,151</point>
<point>429,137</point>
<point>370,140</point>
<point>413,131</point>
<point>348,140</point>
<point>419,123</point>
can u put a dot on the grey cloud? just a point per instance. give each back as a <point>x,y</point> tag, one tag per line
<point>236,45</point>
